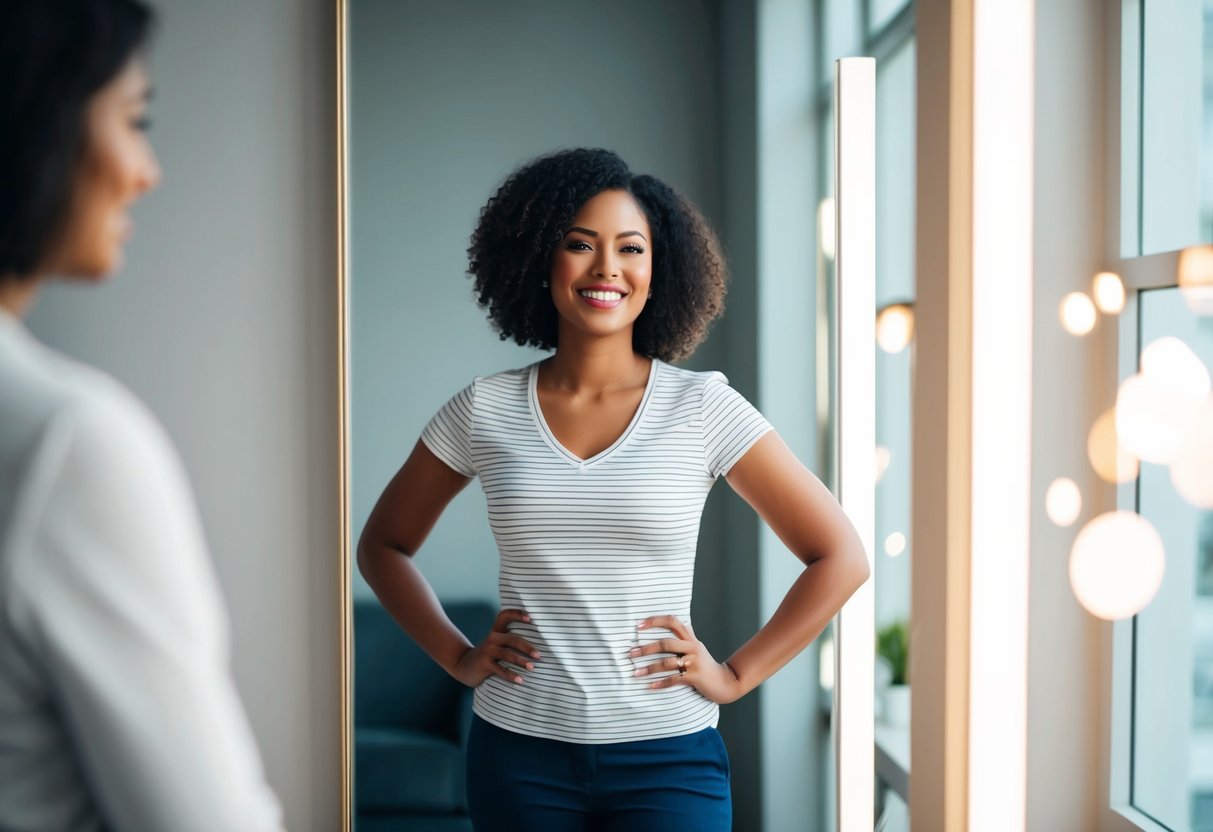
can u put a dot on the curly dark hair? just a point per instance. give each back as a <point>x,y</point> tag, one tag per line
<point>512,247</point>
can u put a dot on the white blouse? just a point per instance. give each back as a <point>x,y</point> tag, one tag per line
<point>117,707</point>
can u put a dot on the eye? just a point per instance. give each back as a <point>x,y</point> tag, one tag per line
<point>632,248</point>
<point>142,124</point>
<point>578,245</point>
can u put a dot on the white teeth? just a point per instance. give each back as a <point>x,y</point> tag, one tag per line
<point>601,295</point>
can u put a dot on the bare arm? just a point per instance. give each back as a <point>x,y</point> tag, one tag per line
<point>400,522</point>
<point>810,522</point>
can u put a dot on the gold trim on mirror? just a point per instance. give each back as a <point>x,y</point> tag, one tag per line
<point>343,438</point>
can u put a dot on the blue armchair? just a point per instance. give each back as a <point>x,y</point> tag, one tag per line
<point>411,724</point>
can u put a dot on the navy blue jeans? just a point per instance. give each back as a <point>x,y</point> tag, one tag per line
<point>519,783</point>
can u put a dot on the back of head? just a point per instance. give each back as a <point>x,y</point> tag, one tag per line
<point>57,55</point>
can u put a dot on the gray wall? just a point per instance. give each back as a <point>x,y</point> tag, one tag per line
<point>447,99</point>
<point>224,322</point>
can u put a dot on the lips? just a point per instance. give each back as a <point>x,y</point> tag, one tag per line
<point>602,296</point>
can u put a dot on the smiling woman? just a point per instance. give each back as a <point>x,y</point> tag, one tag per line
<point>595,702</point>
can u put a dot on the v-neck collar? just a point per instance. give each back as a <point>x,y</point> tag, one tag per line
<point>554,443</point>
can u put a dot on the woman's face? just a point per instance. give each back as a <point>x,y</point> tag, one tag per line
<point>116,168</point>
<point>603,266</point>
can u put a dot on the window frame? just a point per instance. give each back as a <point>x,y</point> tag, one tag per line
<point>1138,273</point>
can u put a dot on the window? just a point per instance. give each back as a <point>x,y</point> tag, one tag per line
<point>883,29</point>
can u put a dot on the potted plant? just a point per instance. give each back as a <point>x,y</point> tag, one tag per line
<point>893,648</point>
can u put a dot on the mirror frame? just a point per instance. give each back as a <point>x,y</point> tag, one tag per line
<point>855,772</point>
<point>344,561</point>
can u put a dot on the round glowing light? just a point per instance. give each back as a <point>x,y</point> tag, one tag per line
<point>883,457</point>
<point>1063,501</point>
<point>1108,457</point>
<point>1171,364</point>
<point>1195,278</point>
<point>1153,419</point>
<point>894,544</point>
<point>826,227</point>
<point>1192,468</point>
<point>1116,565</point>
<point>1109,293</point>
<point>1077,313</point>
<point>895,327</point>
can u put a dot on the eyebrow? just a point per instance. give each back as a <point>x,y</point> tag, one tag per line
<point>590,233</point>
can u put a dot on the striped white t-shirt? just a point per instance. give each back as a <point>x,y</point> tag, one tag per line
<point>590,547</point>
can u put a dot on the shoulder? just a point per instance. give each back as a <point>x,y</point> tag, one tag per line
<point>52,401</point>
<point>690,381</point>
<point>503,381</point>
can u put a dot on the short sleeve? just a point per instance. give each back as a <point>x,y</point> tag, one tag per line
<point>731,425</point>
<point>449,433</point>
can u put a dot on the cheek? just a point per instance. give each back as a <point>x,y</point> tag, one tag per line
<point>564,268</point>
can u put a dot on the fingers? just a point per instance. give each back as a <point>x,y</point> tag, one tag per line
<point>663,645</point>
<point>505,617</point>
<point>669,622</point>
<point>508,653</point>
<point>511,643</point>
<point>681,664</point>
<point>671,681</point>
<point>507,673</point>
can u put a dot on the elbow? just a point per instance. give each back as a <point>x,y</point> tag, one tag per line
<point>861,569</point>
<point>364,558</point>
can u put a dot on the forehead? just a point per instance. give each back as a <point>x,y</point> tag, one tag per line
<point>612,210</point>
<point>130,84</point>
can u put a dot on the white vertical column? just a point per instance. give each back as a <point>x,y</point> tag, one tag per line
<point>1003,172</point>
<point>855,258</point>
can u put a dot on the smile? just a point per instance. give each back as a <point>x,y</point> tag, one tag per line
<point>600,295</point>
<point>602,298</point>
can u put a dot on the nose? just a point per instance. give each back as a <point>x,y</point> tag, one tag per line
<point>605,265</point>
<point>149,172</point>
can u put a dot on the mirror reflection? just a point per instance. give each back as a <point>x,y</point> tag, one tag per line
<point>595,427</point>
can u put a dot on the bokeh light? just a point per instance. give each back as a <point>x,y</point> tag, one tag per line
<point>1063,501</point>
<point>1195,278</point>
<point>895,327</point>
<point>1192,468</point>
<point>1109,293</point>
<point>1077,313</point>
<point>1153,419</point>
<point>883,457</point>
<point>1116,565</point>
<point>894,544</point>
<point>1171,364</point>
<point>1108,457</point>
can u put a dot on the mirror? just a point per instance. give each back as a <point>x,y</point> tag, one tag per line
<point>442,101</point>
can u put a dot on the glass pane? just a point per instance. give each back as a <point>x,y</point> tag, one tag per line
<point>1173,645</point>
<point>894,285</point>
<point>841,37</point>
<point>895,101</point>
<point>882,11</point>
<point>1177,124</point>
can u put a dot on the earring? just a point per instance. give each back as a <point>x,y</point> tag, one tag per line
<point>545,284</point>
<point>650,294</point>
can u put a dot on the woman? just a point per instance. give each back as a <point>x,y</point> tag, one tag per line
<point>117,709</point>
<point>595,703</point>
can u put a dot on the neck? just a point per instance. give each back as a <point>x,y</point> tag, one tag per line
<point>595,363</point>
<point>17,294</point>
